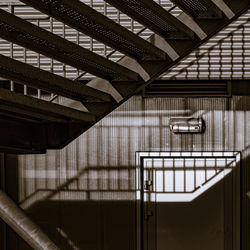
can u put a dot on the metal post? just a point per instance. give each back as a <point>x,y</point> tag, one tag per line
<point>16,218</point>
<point>2,186</point>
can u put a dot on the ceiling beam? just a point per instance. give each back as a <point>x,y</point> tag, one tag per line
<point>34,77</point>
<point>28,35</point>
<point>153,16</point>
<point>38,106</point>
<point>90,22</point>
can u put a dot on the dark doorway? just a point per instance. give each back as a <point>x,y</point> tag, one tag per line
<point>189,201</point>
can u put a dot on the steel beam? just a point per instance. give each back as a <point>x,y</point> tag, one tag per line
<point>200,9</point>
<point>89,21</point>
<point>24,115</point>
<point>153,16</point>
<point>30,36</point>
<point>35,77</point>
<point>34,105</point>
<point>207,14</point>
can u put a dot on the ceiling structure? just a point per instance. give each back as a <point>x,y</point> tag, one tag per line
<point>75,40</point>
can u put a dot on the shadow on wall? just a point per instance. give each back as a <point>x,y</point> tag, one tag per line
<point>205,223</point>
<point>243,104</point>
<point>111,225</point>
<point>79,223</point>
<point>88,225</point>
<point>91,183</point>
<point>93,224</point>
<point>246,200</point>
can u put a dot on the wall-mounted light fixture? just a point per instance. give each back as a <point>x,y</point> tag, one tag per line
<point>186,125</point>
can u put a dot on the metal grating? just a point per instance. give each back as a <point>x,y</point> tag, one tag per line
<point>154,17</point>
<point>59,28</point>
<point>225,56</point>
<point>199,9</point>
<point>137,7</point>
<point>195,6</point>
<point>31,36</point>
<point>83,18</point>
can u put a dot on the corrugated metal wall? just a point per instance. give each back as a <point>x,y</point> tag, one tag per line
<point>83,195</point>
<point>99,167</point>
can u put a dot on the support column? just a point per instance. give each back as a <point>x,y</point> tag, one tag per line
<point>2,186</point>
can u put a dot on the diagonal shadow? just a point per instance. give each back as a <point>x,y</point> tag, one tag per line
<point>200,56</point>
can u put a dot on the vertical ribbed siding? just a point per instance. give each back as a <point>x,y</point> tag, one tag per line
<point>100,165</point>
<point>241,141</point>
<point>156,123</point>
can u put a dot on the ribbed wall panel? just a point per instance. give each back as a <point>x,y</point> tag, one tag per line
<point>100,165</point>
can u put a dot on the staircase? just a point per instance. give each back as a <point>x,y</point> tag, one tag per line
<point>33,125</point>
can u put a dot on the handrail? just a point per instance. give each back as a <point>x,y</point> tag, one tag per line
<point>16,218</point>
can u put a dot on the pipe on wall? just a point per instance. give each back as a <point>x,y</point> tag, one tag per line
<point>23,225</point>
